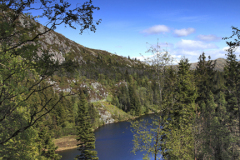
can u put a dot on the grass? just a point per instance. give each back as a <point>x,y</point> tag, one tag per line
<point>117,114</point>
<point>66,142</point>
<point>70,142</point>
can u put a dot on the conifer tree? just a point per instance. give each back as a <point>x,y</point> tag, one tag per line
<point>208,133</point>
<point>232,83</point>
<point>226,141</point>
<point>158,63</point>
<point>20,60</point>
<point>180,143</point>
<point>134,99</point>
<point>169,88</point>
<point>172,137</point>
<point>204,78</point>
<point>217,141</point>
<point>46,145</point>
<point>85,136</point>
<point>204,75</point>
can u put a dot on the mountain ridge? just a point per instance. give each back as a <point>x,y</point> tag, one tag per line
<point>62,47</point>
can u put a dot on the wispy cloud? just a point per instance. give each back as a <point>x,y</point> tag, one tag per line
<point>194,45</point>
<point>210,37</point>
<point>191,18</point>
<point>191,49</point>
<point>156,29</point>
<point>183,32</point>
<point>179,15</point>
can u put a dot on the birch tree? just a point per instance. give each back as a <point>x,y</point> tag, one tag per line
<point>158,61</point>
<point>150,136</point>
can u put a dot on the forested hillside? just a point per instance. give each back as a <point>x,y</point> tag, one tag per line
<point>43,78</point>
<point>51,87</point>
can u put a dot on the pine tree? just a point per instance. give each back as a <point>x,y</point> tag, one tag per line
<point>226,141</point>
<point>204,75</point>
<point>85,134</point>
<point>217,142</point>
<point>134,99</point>
<point>208,132</point>
<point>232,93</point>
<point>204,78</point>
<point>180,141</point>
<point>93,114</point>
<point>169,88</point>
<point>232,83</point>
<point>20,60</point>
<point>45,144</point>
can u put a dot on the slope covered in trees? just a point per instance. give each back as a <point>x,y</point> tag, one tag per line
<point>53,87</point>
<point>201,120</point>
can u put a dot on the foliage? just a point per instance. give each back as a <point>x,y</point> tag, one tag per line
<point>182,115</point>
<point>158,62</point>
<point>85,134</point>
<point>149,137</point>
<point>232,83</point>
<point>198,110</point>
<point>24,96</point>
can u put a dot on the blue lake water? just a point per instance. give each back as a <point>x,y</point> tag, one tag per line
<point>113,142</point>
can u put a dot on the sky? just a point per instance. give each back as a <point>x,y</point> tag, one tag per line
<point>182,27</point>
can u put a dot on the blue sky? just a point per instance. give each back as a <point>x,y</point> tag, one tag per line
<point>190,27</point>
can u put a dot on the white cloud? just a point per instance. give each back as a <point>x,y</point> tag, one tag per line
<point>192,18</point>
<point>210,37</point>
<point>236,52</point>
<point>183,32</point>
<point>156,29</point>
<point>189,53</point>
<point>192,49</point>
<point>214,53</point>
<point>176,59</point>
<point>194,45</point>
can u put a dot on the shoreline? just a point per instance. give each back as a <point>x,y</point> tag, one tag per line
<point>70,142</point>
<point>65,149</point>
<point>65,143</point>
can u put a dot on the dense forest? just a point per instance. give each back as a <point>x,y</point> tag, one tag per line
<point>47,95</point>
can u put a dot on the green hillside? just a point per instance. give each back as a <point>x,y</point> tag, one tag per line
<point>52,89</point>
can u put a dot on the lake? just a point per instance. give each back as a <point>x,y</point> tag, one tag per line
<point>113,142</point>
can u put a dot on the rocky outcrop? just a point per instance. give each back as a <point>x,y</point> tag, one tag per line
<point>96,91</point>
<point>105,115</point>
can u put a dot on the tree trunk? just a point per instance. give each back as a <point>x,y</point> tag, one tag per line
<point>156,143</point>
<point>238,118</point>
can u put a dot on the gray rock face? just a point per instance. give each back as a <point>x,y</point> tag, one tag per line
<point>95,90</point>
<point>105,116</point>
<point>98,92</point>
<point>56,87</point>
<point>95,85</point>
